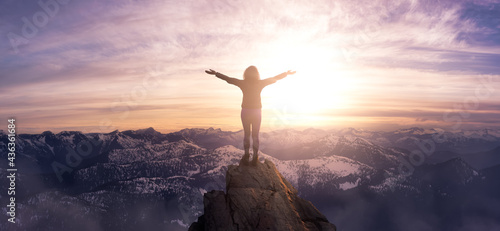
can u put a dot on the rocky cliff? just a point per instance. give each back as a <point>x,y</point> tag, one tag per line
<point>258,198</point>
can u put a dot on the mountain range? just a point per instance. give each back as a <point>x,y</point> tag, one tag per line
<point>407,179</point>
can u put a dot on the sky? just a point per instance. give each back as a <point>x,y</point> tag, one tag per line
<point>99,66</point>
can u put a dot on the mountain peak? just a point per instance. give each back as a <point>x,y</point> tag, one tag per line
<point>48,133</point>
<point>149,131</point>
<point>457,165</point>
<point>68,133</point>
<point>258,198</point>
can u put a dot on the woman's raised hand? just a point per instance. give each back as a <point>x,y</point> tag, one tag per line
<point>289,72</point>
<point>211,72</point>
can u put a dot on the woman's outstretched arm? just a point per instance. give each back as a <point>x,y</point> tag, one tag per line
<point>221,76</point>
<point>284,74</point>
<point>278,77</point>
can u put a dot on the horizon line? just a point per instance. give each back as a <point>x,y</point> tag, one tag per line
<point>2,131</point>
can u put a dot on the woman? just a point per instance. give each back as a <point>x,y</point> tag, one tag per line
<point>251,86</point>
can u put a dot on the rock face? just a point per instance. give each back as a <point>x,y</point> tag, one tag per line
<point>258,198</point>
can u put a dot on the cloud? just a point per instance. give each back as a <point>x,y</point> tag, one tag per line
<point>91,53</point>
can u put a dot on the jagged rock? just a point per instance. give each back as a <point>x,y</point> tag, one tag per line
<point>258,198</point>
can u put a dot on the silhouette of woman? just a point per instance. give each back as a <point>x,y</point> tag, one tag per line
<point>251,86</point>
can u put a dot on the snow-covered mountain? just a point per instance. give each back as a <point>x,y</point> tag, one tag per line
<point>136,179</point>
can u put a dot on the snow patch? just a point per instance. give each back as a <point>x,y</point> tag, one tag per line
<point>349,185</point>
<point>179,222</point>
<point>191,173</point>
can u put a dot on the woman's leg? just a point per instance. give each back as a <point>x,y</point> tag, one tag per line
<point>246,122</point>
<point>256,121</point>
<point>257,118</point>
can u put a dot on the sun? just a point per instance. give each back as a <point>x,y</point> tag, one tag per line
<point>318,87</point>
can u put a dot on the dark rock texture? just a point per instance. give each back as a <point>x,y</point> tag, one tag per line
<point>258,198</point>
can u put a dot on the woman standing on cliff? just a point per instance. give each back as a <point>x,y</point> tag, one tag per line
<point>251,114</point>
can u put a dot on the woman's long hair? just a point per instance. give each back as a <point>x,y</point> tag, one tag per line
<point>251,73</point>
